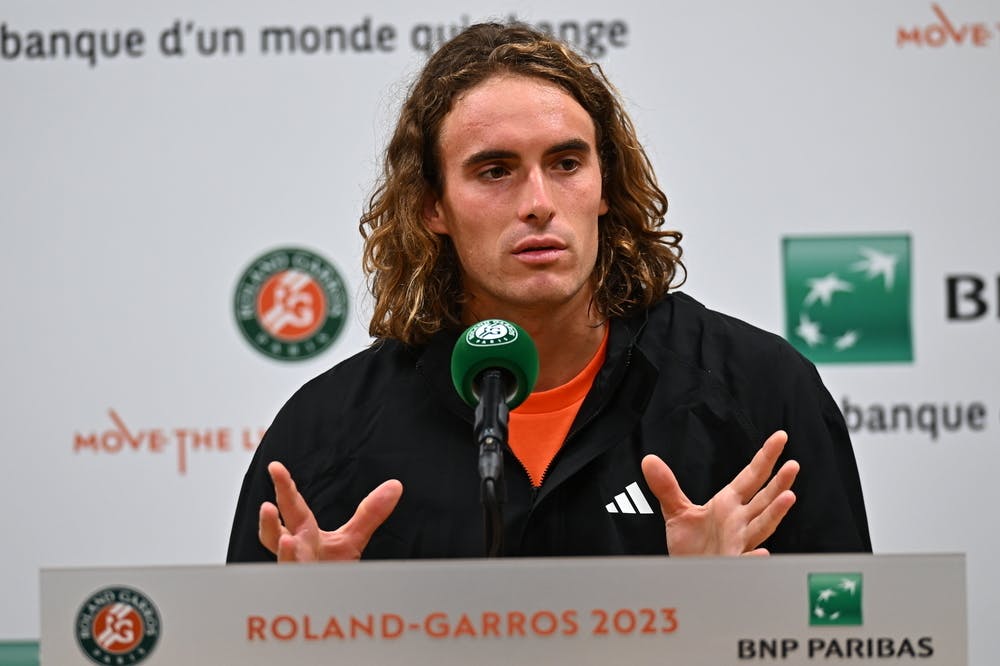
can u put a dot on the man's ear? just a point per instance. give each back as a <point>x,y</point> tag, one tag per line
<point>433,215</point>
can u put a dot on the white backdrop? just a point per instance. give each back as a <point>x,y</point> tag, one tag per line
<point>135,189</point>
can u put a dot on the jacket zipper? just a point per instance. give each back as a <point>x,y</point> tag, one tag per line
<point>535,489</point>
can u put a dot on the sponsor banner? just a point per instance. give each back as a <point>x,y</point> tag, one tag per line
<point>847,298</point>
<point>212,142</point>
<point>191,38</point>
<point>708,611</point>
<point>951,25</point>
<point>929,421</point>
<point>179,443</point>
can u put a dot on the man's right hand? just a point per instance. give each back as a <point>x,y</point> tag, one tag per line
<point>299,538</point>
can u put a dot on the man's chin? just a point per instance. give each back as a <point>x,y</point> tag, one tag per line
<point>529,299</point>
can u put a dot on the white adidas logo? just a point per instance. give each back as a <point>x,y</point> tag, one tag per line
<point>621,504</point>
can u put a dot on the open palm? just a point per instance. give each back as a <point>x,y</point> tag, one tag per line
<point>290,531</point>
<point>739,517</point>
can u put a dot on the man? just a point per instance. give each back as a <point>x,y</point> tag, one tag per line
<point>515,188</point>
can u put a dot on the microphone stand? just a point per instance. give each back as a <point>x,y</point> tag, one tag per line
<point>490,431</point>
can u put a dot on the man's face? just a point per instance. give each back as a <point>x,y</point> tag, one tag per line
<point>521,197</point>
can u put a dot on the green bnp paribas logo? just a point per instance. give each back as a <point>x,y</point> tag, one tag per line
<point>847,298</point>
<point>835,599</point>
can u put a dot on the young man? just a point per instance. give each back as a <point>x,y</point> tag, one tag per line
<point>515,188</point>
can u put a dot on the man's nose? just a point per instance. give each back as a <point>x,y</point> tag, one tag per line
<point>536,200</point>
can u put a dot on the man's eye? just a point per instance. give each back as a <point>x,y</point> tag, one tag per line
<point>495,173</point>
<point>568,164</point>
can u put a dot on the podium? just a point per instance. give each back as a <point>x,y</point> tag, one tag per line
<point>790,609</point>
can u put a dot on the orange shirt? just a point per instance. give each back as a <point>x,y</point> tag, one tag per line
<point>539,425</point>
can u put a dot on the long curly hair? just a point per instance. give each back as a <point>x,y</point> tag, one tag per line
<point>415,275</point>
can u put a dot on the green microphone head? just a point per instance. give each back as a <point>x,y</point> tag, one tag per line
<point>494,343</point>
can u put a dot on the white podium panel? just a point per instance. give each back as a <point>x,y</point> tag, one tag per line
<point>697,611</point>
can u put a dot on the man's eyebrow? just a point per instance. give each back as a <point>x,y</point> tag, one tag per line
<point>570,145</point>
<point>487,156</point>
<point>578,145</point>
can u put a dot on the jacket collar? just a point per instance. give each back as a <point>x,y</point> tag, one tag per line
<point>433,362</point>
<point>619,395</point>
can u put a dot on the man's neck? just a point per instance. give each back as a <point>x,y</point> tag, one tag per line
<point>563,351</point>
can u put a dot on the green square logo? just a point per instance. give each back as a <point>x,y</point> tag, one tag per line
<point>847,298</point>
<point>835,599</point>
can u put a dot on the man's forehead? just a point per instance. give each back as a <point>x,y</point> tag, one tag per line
<point>515,114</point>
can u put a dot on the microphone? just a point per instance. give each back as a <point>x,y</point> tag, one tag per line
<point>494,366</point>
<point>494,344</point>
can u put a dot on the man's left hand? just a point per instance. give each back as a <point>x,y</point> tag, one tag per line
<point>739,517</point>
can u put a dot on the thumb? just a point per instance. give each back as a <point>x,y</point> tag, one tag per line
<point>372,512</point>
<point>757,552</point>
<point>663,484</point>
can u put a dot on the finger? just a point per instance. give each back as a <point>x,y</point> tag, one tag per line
<point>269,527</point>
<point>290,549</point>
<point>781,482</point>
<point>294,511</point>
<point>763,526</point>
<point>372,512</point>
<point>663,484</point>
<point>286,549</point>
<point>752,477</point>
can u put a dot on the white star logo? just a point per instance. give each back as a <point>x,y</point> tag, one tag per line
<point>847,340</point>
<point>808,330</point>
<point>848,585</point>
<point>823,289</point>
<point>876,264</point>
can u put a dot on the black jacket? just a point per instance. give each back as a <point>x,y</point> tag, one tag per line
<point>700,389</point>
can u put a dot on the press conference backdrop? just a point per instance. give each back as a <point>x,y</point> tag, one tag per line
<point>181,184</point>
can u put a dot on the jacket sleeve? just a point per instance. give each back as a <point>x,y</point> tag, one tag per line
<point>292,439</point>
<point>829,512</point>
<point>777,388</point>
<point>244,544</point>
<point>315,440</point>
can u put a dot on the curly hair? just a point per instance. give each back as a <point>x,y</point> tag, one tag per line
<point>415,275</point>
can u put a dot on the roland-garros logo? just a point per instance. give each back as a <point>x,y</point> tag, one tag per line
<point>492,332</point>
<point>290,304</point>
<point>117,625</point>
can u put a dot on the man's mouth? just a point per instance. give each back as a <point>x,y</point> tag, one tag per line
<point>538,248</point>
<point>534,246</point>
<point>540,255</point>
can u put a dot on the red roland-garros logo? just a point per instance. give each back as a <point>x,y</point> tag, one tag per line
<point>117,625</point>
<point>290,304</point>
